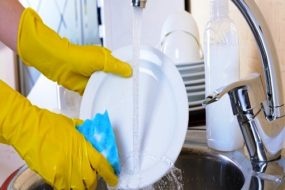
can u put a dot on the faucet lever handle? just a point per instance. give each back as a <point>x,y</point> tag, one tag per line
<point>253,83</point>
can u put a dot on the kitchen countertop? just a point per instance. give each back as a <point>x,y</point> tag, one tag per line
<point>9,162</point>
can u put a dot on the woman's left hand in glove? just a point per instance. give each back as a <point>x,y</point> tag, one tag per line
<point>58,59</point>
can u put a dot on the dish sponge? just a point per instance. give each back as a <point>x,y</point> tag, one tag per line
<point>99,132</point>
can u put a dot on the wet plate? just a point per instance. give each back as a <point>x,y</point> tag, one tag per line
<point>163,114</point>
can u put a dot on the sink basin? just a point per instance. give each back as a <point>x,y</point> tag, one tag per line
<point>201,169</point>
<point>197,167</point>
<point>206,170</point>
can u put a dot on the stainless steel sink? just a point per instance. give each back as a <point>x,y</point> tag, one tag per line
<point>205,170</point>
<point>202,168</point>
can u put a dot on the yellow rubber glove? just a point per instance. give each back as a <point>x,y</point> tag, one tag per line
<point>58,59</point>
<point>50,144</point>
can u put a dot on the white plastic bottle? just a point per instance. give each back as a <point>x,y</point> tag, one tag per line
<point>221,67</point>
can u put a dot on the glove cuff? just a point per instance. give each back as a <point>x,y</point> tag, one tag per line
<point>28,36</point>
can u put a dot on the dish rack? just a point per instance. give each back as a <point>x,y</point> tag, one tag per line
<point>193,75</point>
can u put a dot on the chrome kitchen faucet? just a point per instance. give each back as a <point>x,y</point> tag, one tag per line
<point>260,112</point>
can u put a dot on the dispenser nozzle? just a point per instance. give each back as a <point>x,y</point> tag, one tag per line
<point>139,3</point>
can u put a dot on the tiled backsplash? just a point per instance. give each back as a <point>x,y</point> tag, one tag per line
<point>74,19</point>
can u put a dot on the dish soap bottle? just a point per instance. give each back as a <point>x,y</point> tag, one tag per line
<point>221,68</point>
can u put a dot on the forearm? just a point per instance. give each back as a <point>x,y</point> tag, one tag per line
<point>10,13</point>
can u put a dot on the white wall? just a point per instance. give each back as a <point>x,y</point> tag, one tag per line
<point>118,15</point>
<point>7,66</point>
<point>9,159</point>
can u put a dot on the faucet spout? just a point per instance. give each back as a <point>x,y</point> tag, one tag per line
<point>139,3</point>
<point>274,105</point>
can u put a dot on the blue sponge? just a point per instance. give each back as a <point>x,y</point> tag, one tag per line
<point>99,132</point>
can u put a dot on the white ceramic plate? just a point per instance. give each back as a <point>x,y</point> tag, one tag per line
<point>196,103</point>
<point>193,76</point>
<point>163,111</point>
<point>190,63</point>
<point>196,96</point>
<point>191,68</point>
<point>196,108</point>
<point>197,88</point>
<point>196,82</point>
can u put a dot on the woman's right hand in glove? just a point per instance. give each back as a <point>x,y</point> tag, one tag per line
<point>50,144</point>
